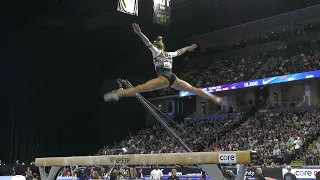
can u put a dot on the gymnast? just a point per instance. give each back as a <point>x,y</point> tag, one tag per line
<point>162,61</point>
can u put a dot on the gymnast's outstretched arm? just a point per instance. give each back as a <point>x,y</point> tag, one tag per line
<point>182,50</point>
<point>187,48</point>
<point>144,38</point>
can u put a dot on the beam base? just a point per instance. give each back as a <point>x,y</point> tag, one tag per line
<point>213,171</point>
<point>241,171</point>
<point>53,174</point>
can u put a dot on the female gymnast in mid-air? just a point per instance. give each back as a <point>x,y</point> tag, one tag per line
<point>162,61</point>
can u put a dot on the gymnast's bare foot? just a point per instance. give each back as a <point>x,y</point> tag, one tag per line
<point>111,96</point>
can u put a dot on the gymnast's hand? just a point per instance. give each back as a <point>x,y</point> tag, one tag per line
<point>192,47</point>
<point>136,28</point>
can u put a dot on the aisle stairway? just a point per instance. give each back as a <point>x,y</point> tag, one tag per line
<point>302,162</point>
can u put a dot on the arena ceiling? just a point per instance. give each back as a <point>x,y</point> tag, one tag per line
<point>189,17</point>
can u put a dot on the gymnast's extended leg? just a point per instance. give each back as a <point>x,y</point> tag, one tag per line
<point>184,86</point>
<point>154,84</point>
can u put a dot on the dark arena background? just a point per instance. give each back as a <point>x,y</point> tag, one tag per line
<point>59,57</point>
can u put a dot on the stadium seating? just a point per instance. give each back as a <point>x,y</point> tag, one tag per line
<point>273,134</point>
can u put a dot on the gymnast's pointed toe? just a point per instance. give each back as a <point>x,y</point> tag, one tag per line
<point>112,96</point>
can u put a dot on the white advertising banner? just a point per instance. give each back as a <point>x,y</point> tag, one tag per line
<point>128,6</point>
<point>303,173</point>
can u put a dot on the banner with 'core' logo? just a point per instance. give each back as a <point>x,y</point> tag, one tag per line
<point>227,158</point>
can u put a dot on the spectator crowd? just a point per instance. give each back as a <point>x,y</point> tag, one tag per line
<point>236,69</point>
<point>198,134</point>
<point>278,136</point>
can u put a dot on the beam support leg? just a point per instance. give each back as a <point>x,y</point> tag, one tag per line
<point>213,171</point>
<point>53,174</point>
<point>241,171</point>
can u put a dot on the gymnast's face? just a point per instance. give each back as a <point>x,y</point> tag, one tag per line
<point>159,45</point>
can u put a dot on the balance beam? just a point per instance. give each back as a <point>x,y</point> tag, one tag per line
<point>224,157</point>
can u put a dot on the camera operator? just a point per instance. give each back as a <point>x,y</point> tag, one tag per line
<point>103,171</point>
<point>13,171</point>
<point>35,176</point>
<point>173,175</point>
<point>156,173</point>
<point>80,173</point>
<point>203,173</point>
<point>114,174</point>
<point>140,174</point>
<point>318,175</point>
<point>289,175</point>
<point>259,175</point>
<point>228,174</point>
<point>132,150</point>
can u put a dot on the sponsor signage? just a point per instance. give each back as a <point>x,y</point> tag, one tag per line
<point>227,158</point>
<point>128,6</point>
<point>117,160</point>
<point>258,82</point>
<point>194,173</point>
<point>303,173</point>
<point>162,12</point>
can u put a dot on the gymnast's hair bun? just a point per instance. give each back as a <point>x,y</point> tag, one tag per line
<point>159,38</point>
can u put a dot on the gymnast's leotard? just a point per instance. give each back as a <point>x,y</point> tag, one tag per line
<point>163,64</point>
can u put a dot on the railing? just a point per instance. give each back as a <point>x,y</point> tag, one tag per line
<point>303,101</point>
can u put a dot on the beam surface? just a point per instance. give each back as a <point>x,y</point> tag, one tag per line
<point>223,157</point>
